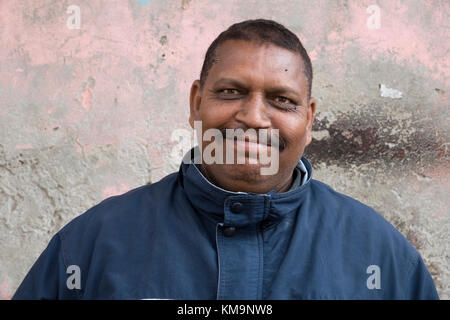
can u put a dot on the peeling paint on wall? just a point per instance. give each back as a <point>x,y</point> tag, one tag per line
<point>371,133</point>
<point>390,93</point>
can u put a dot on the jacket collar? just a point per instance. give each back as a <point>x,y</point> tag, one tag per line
<point>239,209</point>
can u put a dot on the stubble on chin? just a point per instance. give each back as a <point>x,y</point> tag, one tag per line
<point>236,174</point>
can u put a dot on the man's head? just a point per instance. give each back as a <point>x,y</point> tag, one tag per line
<point>258,31</point>
<point>256,75</point>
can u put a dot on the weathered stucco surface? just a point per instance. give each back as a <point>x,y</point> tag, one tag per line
<point>88,113</point>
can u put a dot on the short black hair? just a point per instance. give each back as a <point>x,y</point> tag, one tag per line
<point>259,31</point>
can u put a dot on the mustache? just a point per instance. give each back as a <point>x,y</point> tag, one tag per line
<point>242,134</point>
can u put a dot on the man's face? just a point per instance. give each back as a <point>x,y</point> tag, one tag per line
<point>254,86</point>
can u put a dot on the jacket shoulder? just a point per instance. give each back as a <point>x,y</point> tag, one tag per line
<point>359,219</point>
<point>362,234</point>
<point>133,204</point>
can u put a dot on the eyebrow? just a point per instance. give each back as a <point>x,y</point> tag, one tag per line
<point>273,90</point>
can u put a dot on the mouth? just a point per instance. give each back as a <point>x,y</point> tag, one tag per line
<point>250,146</point>
<point>254,142</point>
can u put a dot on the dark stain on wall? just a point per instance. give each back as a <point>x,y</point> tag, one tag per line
<point>360,137</point>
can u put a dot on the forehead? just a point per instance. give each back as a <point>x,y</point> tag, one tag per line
<point>255,62</point>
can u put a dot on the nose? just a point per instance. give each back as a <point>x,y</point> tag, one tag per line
<point>253,112</point>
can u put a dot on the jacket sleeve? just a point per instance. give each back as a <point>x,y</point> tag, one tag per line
<point>421,285</point>
<point>43,281</point>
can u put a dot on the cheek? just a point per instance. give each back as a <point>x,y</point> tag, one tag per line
<point>293,130</point>
<point>214,115</point>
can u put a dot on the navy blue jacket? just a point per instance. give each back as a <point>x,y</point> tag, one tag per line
<point>184,238</point>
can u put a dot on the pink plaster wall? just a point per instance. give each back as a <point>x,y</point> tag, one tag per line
<point>88,113</point>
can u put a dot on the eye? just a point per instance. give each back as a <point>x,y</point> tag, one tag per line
<point>229,91</point>
<point>284,103</point>
<point>228,94</point>
<point>284,100</point>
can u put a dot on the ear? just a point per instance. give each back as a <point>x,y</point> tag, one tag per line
<point>195,102</point>
<point>310,119</point>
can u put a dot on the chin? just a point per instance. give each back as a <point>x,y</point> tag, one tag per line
<point>250,173</point>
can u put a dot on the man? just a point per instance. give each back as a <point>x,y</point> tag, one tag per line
<point>218,230</point>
